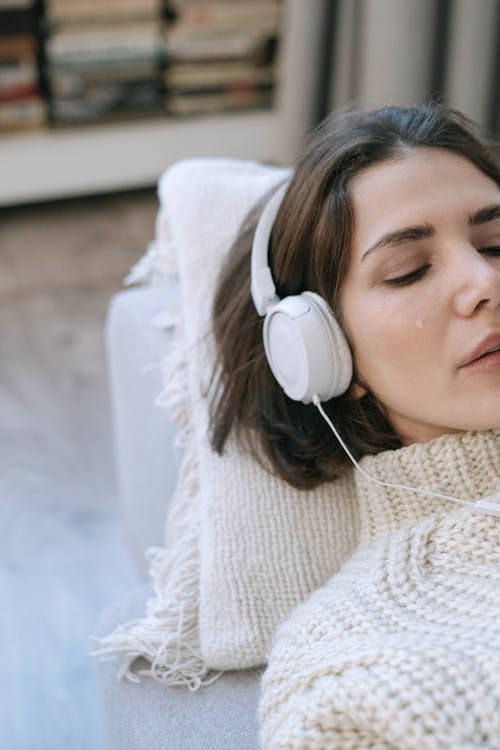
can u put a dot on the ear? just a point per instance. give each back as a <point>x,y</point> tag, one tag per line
<point>358,391</point>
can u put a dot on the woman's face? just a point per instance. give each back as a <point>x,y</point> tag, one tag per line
<point>421,300</point>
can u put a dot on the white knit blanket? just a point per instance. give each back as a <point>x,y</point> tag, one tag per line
<point>399,651</point>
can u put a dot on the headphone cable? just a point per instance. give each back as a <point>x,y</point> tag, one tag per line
<point>489,505</point>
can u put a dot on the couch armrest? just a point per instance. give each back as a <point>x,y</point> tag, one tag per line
<point>146,460</point>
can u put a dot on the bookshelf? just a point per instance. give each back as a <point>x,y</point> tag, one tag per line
<point>85,159</point>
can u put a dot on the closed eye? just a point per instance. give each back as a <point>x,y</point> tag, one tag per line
<point>409,278</point>
<point>493,250</point>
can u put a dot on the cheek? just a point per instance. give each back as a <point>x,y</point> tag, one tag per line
<point>388,341</point>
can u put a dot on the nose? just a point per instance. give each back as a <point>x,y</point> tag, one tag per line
<point>478,284</point>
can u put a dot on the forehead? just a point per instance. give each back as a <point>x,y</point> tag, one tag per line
<point>422,186</point>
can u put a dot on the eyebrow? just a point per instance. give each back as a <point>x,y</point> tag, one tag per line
<point>484,215</point>
<point>424,231</point>
<point>399,236</point>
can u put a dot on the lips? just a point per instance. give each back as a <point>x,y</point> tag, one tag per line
<point>487,345</point>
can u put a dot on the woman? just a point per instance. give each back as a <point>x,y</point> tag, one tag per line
<point>393,219</point>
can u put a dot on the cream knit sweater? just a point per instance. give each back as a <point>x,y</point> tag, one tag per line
<point>401,648</point>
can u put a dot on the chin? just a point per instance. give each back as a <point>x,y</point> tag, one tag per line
<point>479,425</point>
<point>482,413</point>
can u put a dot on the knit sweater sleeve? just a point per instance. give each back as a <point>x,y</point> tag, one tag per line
<point>399,650</point>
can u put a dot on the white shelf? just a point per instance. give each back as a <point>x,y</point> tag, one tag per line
<point>119,156</point>
<point>81,160</point>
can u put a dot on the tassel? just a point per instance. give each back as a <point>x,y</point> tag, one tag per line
<point>167,636</point>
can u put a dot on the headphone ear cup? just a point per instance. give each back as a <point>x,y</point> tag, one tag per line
<point>306,348</point>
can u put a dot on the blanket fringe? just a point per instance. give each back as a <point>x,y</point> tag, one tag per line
<point>156,266</point>
<point>167,636</point>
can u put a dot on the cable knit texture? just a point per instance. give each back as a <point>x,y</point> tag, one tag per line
<point>400,650</point>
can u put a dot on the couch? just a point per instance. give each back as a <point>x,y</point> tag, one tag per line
<point>150,715</point>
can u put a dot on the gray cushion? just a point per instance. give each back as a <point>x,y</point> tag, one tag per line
<point>152,716</point>
<point>146,459</point>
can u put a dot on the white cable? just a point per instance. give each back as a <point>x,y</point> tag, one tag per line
<point>485,504</point>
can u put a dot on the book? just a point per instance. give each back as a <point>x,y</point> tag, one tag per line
<point>100,101</point>
<point>58,11</point>
<point>211,102</point>
<point>25,113</point>
<point>72,83</point>
<point>14,73</point>
<point>141,38</point>
<point>17,47</point>
<point>209,74</point>
<point>210,15</point>
<point>219,46</point>
<point>93,25</point>
<point>15,4</point>
<point>13,93</point>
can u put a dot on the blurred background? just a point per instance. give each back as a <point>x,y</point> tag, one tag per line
<point>96,100</point>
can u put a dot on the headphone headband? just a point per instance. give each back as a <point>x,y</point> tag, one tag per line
<point>305,346</point>
<point>263,288</point>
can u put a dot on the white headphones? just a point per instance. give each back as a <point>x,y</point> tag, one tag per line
<point>306,349</point>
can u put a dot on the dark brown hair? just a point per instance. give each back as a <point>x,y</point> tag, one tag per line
<point>310,250</point>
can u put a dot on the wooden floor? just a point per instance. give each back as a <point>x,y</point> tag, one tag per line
<point>61,555</point>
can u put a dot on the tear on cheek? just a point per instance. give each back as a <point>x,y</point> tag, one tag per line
<point>419,323</point>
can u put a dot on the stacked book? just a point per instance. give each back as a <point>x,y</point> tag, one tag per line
<point>21,105</point>
<point>221,55</point>
<point>104,59</point>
